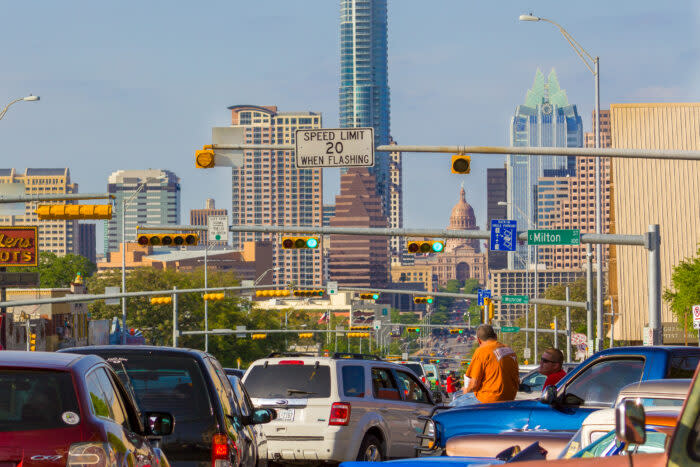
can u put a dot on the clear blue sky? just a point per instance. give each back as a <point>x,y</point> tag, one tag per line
<point>134,84</point>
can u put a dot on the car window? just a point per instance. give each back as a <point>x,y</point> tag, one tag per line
<point>100,404</point>
<point>37,400</point>
<point>534,381</point>
<point>683,366</point>
<point>112,398</point>
<point>353,381</point>
<point>289,380</point>
<point>223,387</point>
<point>412,390</point>
<point>599,384</point>
<point>245,406</point>
<point>414,367</point>
<point>654,401</point>
<point>383,385</point>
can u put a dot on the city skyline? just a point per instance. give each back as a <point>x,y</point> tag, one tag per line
<point>113,101</point>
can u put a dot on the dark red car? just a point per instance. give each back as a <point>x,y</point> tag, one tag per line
<point>59,409</point>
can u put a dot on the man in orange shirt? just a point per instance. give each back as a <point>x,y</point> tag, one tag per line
<point>493,372</point>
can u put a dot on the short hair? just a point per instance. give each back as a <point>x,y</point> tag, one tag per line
<point>556,353</point>
<point>485,332</point>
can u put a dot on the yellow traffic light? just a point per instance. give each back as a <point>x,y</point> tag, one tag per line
<point>413,329</point>
<point>419,300</point>
<point>293,243</point>
<point>359,328</point>
<point>358,334</point>
<point>425,246</point>
<point>309,293</point>
<point>306,335</point>
<point>551,325</point>
<point>74,211</point>
<point>488,304</point>
<point>161,300</point>
<point>455,331</point>
<point>369,296</point>
<point>461,164</point>
<point>204,158</point>
<point>258,336</point>
<point>190,239</point>
<point>213,296</point>
<point>272,293</point>
<point>32,342</point>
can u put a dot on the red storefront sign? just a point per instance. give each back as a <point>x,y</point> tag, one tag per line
<point>18,246</point>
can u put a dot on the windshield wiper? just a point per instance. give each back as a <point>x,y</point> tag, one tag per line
<point>299,391</point>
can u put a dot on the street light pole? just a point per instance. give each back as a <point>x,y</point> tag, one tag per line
<point>29,98</point>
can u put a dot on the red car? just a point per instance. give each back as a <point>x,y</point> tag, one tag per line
<point>59,409</point>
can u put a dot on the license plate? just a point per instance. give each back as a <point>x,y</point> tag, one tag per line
<point>286,415</point>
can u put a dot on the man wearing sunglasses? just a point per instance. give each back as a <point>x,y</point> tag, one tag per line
<point>550,366</point>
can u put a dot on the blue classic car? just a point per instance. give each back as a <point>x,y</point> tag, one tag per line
<point>593,385</point>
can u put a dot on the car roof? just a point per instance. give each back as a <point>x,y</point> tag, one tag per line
<point>134,349</point>
<point>312,359</point>
<point>663,416</point>
<point>677,388</point>
<point>44,360</point>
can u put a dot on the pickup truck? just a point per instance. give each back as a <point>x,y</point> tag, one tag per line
<point>592,385</point>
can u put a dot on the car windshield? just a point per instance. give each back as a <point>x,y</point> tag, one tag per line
<point>415,367</point>
<point>289,381</point>
<point>648,402</point>
<point>608,445</point>
<point>37,400</point>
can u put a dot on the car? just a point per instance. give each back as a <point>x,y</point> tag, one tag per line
<point>532,382</point>
<point>426,372</point>
<point>234,372</point>
<point>210,424</point>
<point>656,393</point>
<point>337,408</point>
<point>66,409</point>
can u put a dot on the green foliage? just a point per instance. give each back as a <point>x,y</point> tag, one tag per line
<point>59,271</point>
<point>686,291</point>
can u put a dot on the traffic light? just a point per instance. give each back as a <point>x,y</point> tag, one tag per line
<point>488,305</point>
<point>73,211</point>
<point>306,335</point>
<point>413,329</point>
<point>272,293</point>
<point>189,239</point>
<point>360,328</point>
<point>425,246</point>
<point>369,296</point>
<point>551,325</point>
<point>419,300</point>
<point>32,342</point>
<point>461,164</point>
<point>204,158</point>
<point>456,331</point>
<point>358,334</point>
<point>213,296</point>
<point>293,243</point>
<point>161,300</point>
<point>309,293</point>
<point>258,336</point>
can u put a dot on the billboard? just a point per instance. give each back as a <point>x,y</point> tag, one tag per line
<point>18,246</point>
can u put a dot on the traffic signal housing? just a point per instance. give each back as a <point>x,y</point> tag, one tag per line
<point>425,246</point>
<point>295,243</point>
<point>32,342</point>
<point>360,328</point>
<point>161,300</point>
<point>551,325</point>
<point>461,164</point>
<point>413,330</point>
<point>258,336</point>
<point>488,305</point>
<point>272,293</point>
<point>73,211</point>
<point>419,300</point>
<point>189,239</point>
<point>309,293</point>
<point>204,158</point>
<point>456,331</point>
<point>358,334</point>
<point>213,296</point>
<point>369,296</point>
<point>306,335</point>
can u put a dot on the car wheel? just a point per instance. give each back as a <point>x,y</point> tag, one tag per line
<point>371,449</point>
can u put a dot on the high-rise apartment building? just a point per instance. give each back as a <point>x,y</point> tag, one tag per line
<point>364,83</point>
<point>496,192</point>
<point>157,203</point>
<point>270,190</point>
<point>545,120</point>
<point>55,236</point>
<point>199,217</point>
<point>87,241</point>
<point>397,250</point>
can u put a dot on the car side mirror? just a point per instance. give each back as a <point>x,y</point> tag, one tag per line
<point>550,395</point>
<point>159,423</point>
<point>630,423</point>
<point>437,397</point>
<point>261,416</point>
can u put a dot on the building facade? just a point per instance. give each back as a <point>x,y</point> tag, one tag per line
<point>364,82</point>
<point>496,192</point>
<point>397,249</point>
<point>545,120</point>
<point>87,241</point>
<point>270,190</point>
<point>157,203</point>
<point>199,217</point>
<point>56,236</point>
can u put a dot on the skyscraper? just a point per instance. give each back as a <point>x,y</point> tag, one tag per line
<point>545,120</point>
<point>157,203</point>
<point>397,248</point>
<point>496,193</point>
<point>270,190</point>
<point>364,83</point>
<point>199,217</point>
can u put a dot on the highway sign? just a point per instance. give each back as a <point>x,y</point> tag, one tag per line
<point>554,237</point>
<point>503,235</point>
<point>481,293</point>
<point>505,299</point>
<point>334,147</point>
<point>240,332</point>
<point>217,228</point>
<point>510,329</point>
<point>696,316</point>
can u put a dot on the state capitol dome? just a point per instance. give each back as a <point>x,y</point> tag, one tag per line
<point>462,218</point>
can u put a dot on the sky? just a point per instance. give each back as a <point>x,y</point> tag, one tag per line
<point>136,85</point>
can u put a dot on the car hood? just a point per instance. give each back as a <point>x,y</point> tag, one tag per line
<point>430,461</point>
<point>485,418</point>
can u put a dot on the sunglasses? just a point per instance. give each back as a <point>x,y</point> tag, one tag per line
<point>544,360</point>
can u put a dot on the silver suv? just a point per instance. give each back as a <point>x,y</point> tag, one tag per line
<point>339,408</point>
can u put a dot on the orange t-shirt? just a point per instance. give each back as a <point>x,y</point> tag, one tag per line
<point>495,365</point>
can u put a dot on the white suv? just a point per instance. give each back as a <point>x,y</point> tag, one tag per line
<point>339,408</point>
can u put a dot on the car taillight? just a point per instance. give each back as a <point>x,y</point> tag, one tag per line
<point>220,454</point>
<point>91,454</point>
<point>340,414</point>
<point>291,362</point>
<point>422,378</point>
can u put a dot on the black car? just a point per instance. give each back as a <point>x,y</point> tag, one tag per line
<point>211,427</point>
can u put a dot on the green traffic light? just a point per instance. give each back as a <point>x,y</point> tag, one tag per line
<point>430,300</point>
<point>438,247</point>
<point>375,296</point>
<point>311,243</point>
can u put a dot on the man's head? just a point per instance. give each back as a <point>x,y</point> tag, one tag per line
<point>551,361</point>
<point>485,333</point>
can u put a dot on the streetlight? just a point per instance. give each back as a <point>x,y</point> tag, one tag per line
<point>593,65</point>
<point>125,202</point>
<point>29,98</point>
<point>276,268</point>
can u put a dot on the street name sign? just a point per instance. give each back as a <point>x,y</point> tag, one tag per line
<point>554,237</point>
<point>480,294</point>
<point>505,299</point>
<point>217,228</point>
<point>510,329</point>
<point>503,235</point>
<point>334,147</point>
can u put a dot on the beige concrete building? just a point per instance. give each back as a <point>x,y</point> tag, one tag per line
<point>413,273</point>
<point>59,237</point>
<point>664,192</point>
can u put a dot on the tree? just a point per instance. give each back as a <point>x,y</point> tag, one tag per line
<point>686,290</point>
<point>59,271</point>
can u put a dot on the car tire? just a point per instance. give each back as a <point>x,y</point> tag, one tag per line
<point>371,449</point>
